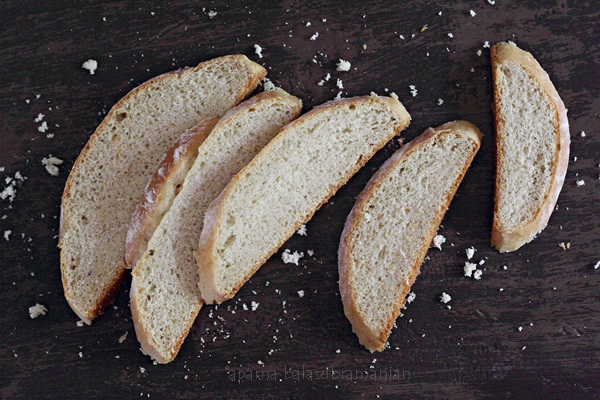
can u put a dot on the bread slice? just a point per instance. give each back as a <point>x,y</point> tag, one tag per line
<point>165,299</point>
<point>163,187</point>
<point>109,175</point>
<point>393,223</point>
<point>286,183</point>
<point>532,141</point>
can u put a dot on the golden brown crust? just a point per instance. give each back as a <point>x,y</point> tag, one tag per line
<point>372,340</point>
<point>162,189</point>
<point>206,247</point>
<point>503,239</point>
<point>258,73</point>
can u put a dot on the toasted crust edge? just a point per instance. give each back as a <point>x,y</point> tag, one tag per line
<point>162,189</point>
<point>501,239</point>
<point>375,341</point>
<point>108,295</point>
<point>206,263</point>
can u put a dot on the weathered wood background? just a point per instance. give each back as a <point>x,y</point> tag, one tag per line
<point>476,349</point>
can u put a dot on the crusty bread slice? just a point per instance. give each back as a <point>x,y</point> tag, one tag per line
<point>393,223</point>
<point>163,187</point>
<point>283,186</point>
<point>165,299</point>
<point>532,141</point>
<point>109,175</point>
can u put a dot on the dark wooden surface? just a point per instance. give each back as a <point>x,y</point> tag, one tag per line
<point>473,350</point>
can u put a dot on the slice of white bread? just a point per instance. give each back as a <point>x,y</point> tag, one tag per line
<point>393,222</point>
<point>109,175</point>
<point>165,299</point>
<point>532,146</point>
<point>163,187</point>
<point>283,186</point>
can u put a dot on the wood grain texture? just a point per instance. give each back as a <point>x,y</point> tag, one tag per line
<point>473,350</point>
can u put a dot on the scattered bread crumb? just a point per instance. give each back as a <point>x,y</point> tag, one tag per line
<point>393,95</point>
<point>291,258</point>
<point>37,310</point>
<point>258,50</point>
<point>486,45</point>
<point>302,230</point>
<point>339,84</point>
<point>580,182</point>
<point>39,117</point>
<point>90,65</point>
<point>123,337</point>
<point>7,234</point>
<point>469,268</point>
<point>450,35</point>
<point>445,298</point>
<point>413,90</point>
<point>51,164</point>
<point>582,134</point>
<point>440,102</point>
<point>438,240</point>
<point>597,265</point>
<point>211,14</point>
<point>470,252</point>
<point>477,274</point>
<point>472,13</point>
<point>411,297</point>
<point>80,323</point>
<point>43,127</point>
<point>343,65</point>
<point>254,305</point>
<point>301,293</point>
<point>314,36</point>
<point>268,85</point>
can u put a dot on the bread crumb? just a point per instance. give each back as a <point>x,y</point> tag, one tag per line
<point>479,53</point>
<point>440,102</point>
<point>142,370</point>
<point>520,328</point>
<point>481,262</point>
<point>450,35</point>
<point>411,297</point>
<point>80,354</point>
<point>580,182</point>
<point>7,234</point>
<point>302,230</point>
<point>51,164</point>
<point>470,252</point>
<point>254,305</point>
<point>310,252</point>
<point>39,117</point>
<point>291,258</point>
<point>268,85</point>
<point>343,65</point>
<point>597,265</point>
<point>314,36</point>
<point>492,2</point>
<point>301,293</point>
<point>445,298</point>
<point>123,337</point>
<point>472,13</point>
<point>394,96</point>
<point>338,96</point>
<point>258,50</point>
<point>438,240</point>
<point>486,45</point>
<point>37,310</point>
<point>424,28</point>
<point>308,24</point>
<point>339,84</point>
<point>211,14</point>
<point>469,268</point>
<point>582,134</point>
<point>90,65</point>
<point>80,323</point>
<point>477,274</point>
<point>413,90</point>
<point>43,127</point>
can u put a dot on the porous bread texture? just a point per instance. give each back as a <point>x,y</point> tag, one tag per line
<point>164,185</point>
<point>286,183</point>
<point>532,140</point>
<point>390,228</point>
<point>109,175</point>
<point>165,299</point>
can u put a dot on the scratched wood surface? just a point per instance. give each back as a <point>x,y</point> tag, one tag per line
<point>531,330</point>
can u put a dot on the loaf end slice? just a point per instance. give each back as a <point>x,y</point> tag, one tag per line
<point>109,175</point>
<point>393,222</point>
<point>164,295</point>
<point>164,185</point>
<point>532,143</point>
<point>284,185</point>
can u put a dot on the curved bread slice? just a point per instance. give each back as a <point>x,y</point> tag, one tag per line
<point>286,183</point>
<point>109,175</point>
<point>393,223</point>
<point>532,140</point>
<point>165,299</point>
<point>163,187</point>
